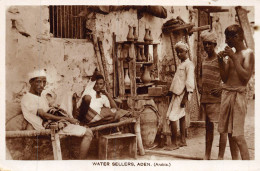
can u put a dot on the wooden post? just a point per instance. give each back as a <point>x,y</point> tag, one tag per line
<point>103,60</point>
<point>132,73</point>
<point>96,48</point>
<point>114,55</point>
<point>173,51</point>
<point>155,59</point>
<point>244,23</point>
<point>55,139</point>
<point>139,137</point>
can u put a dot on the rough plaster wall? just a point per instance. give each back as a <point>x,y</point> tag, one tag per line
<point>118,22</point>
<point>68,62</point>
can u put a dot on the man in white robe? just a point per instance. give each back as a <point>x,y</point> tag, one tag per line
<point>181,88</point>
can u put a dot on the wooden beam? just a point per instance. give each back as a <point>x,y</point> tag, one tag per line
<point>104,64</point>
<point>195,29</point>
<point>244,23</point>
<point>115,68</point>
<point>178,27</point>
<point>96,48</point>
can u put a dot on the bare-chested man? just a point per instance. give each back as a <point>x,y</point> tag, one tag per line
<point>235,73</point>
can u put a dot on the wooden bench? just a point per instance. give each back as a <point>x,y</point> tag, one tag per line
<point>55,138</point>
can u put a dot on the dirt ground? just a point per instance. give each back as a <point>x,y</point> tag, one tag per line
<point>196,143</point>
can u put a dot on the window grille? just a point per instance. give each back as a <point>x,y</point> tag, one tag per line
<point>65,23</point>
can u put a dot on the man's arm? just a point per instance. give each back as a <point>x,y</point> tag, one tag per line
<point>244,70</point>
<point>223,67</point>
<point>48,116</point>
<point>110,98</point>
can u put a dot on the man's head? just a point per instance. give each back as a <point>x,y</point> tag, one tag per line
<point>37,80</point>
<point>100,83</point>
<point>181,50</point>
<point>234,34</point>
<point>209,39</point>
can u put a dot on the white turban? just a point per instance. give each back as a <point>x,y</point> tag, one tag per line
<point>36,73</point>
<point>209,36</point>
<point>181,45</point>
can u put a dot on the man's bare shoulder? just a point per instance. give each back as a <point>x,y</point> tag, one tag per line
<point>248,53</point>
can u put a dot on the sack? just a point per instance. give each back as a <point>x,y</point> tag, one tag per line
<point>14,117</point>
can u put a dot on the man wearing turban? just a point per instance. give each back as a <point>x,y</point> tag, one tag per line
<point>36,107</point>
<point>211,93</point>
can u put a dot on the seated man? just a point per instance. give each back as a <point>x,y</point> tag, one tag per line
<point>96,102</point>
<point>35,106</point>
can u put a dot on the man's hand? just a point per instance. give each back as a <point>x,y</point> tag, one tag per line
<point>216,92</point>
<point>184,100</point>
<point>73,121</point>
<point>229,52</point>
<point>104,91</point>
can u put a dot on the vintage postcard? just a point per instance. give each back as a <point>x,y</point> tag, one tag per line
<point>129,85</point>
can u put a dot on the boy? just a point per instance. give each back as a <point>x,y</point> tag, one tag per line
<point>181,87</point>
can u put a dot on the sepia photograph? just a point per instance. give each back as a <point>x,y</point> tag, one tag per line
<point>129,85</point>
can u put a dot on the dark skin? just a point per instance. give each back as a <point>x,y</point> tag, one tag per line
<point>236,72</point>
<point>182,55</point>
<point>209,48</point>
<point>100,89</point>
<point>37,86</point>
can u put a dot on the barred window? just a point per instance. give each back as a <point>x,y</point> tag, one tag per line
<point>65,23</point>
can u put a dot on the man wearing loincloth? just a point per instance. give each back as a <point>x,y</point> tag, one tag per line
<point>235,73</point>
<point>36,107</point>
<point>211,93</point>
<point>181,88</point>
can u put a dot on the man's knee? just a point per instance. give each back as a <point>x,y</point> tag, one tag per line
<point>239,139</point>
<point>86,99</point>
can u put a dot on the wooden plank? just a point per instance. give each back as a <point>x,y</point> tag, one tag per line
<point>137,129</point>
<point>56,146</point>
<point>115,60</point>
<point>174,28</point>
<point>195,29</point>
<point>71,22</point>
<point>96,48</point>
<point>244,23</point>
<point>102,148</point>
<point>61,21</point>
<point>104,64</point>
<point>58,21</point>
<point>80,24</point>
<point>132,73</point>
<point>121,71</point>
<point>173,50</point>
<point>155,60</point>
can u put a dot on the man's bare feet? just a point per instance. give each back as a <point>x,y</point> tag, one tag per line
<point>171,147</point>
<point>182,144</point>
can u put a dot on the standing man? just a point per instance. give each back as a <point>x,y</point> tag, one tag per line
<point>181,88</point>
<point>235,73</point>
<point>211,93</point>
<point>35,107</point>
